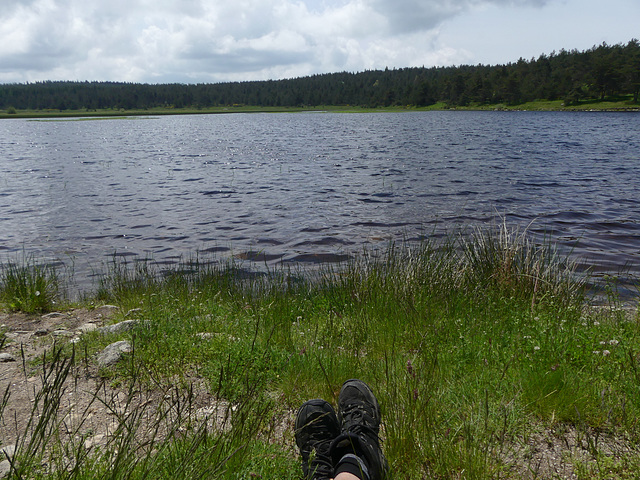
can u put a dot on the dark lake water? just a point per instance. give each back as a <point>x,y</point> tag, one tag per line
<point>315,187</point>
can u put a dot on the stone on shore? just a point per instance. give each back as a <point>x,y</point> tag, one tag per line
<point>87,327</point>
<point>113,353</point>
<point>6,357</point>
<point>118,327</point>
<point>5,468</point>
<point>6,453</point>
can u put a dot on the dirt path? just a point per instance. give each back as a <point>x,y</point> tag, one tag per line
<point>93,411</point>
<point>28,337</point>
<point>90,409</point>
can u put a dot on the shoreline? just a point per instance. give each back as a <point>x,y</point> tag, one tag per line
<point>541,106</point>
<point>484,361</point>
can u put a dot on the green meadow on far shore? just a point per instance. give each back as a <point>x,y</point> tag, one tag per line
<point>483,350</point>
<point>615,104</point>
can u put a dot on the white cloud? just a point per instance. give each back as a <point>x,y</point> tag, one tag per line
<point>218,40</point>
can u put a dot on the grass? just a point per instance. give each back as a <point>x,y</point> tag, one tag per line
<point>475,347</point>
<point>120,113</point>
<point>621,103</point>
<point>29,286</point>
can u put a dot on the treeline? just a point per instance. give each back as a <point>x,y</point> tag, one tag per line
<point>602,72</point>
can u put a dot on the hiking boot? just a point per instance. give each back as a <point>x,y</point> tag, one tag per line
<point>359,415</point>
<point>316,427</point>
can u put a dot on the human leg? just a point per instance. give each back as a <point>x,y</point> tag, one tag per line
<point>346,476</point>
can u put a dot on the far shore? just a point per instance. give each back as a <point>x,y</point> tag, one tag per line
<point>543,105</point>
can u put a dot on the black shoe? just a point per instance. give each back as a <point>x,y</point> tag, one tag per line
<point>359,415</point>
<point>316,427</point>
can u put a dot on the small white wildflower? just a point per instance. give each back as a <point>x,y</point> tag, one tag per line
<point>584,324</point>
<point>37,293</point>
<point>596,352</point>
<point>606,352</point>
<point>603,343</point>
<point>596,323</point>
<point>613,342</point>
<point>537,319</point>
<point>527,337</point>
<point>536,348</point>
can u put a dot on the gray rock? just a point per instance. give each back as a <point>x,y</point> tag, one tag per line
<point>62,333</point>
<point>87,327</point>
<point>5,468</point>
<point>105,309</point>
<point>113,353</point>
<point>94,441</point>
<point>7,452</point>
<point>118,327</point>
<point>6,357</point>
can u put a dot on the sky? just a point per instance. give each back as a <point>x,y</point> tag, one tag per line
<point>204,41</point>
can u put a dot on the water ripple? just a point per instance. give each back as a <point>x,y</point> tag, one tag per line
<point>316,188</point>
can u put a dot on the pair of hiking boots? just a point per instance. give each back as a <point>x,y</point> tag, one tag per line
<point>328,441</point>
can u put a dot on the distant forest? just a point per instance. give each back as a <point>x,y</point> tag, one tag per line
<point>602,72</point>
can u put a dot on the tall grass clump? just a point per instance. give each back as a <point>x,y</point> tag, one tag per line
<point>508,260</point>
<point>28,286</point>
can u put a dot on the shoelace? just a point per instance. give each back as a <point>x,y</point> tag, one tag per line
<point>320,463</point>
<point>354,416</point>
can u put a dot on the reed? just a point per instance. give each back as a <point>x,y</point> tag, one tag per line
<point>29,286</point>
<point>475,347</point>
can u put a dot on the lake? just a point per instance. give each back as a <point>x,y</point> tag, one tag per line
<point>316,187</point>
